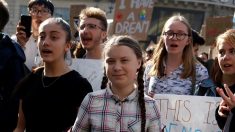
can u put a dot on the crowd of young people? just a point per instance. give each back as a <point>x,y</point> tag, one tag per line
<point>47,95</point>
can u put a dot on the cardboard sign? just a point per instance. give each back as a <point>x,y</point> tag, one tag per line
<point>216,26</point>
<point>91,69</point>
<point>133,17</point>
<point>182,113</point>
<point>74,17</point>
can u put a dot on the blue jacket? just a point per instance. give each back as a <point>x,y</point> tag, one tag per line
<point>12,70</point>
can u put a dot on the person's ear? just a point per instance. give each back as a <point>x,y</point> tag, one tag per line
<point>67,46</point>
<point>103,35</point>
<point>189,40</point>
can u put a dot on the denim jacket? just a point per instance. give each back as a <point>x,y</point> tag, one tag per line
<point>205,88</point>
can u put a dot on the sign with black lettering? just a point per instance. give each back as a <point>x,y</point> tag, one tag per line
<point>132,17</point>
<point>183,113</point>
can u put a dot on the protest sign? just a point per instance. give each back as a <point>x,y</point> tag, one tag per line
<point>91,69</point>
<point>182,113</point>
<point>133,17</point>
<point>74,17</point>
<point>216,26</point>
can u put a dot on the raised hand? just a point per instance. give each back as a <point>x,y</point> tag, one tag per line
<point>21,35</point>
<point>228,101</point>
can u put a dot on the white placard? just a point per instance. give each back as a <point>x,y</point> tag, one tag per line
<point>91,69</point>
<point>182,113</point>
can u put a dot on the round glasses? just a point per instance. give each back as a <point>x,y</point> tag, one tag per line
<point>35,11</point>
<point>179,36</point>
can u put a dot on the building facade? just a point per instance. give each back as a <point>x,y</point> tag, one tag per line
<point>196,11</point>
<point>62,9</point>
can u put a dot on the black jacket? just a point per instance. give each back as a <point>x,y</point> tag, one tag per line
<point>12,69</point>
<point>222,120</point>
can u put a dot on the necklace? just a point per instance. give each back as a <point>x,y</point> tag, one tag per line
<point>50,84</point>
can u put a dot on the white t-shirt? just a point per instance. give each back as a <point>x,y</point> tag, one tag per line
<point>31,52</point>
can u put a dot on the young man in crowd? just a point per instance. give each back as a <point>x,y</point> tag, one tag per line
<point>92,32</point>
<point>39,10</point>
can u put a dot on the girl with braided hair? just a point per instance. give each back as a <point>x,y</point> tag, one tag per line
<point>122,105</point>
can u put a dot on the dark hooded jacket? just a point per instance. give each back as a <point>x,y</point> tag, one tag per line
<point>12,70</point>
<point>221,121</point>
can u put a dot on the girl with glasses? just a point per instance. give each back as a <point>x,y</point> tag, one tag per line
<point>39,10</point>
<point>173,69</point>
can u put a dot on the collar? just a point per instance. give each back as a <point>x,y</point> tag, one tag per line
<point>133,96</point>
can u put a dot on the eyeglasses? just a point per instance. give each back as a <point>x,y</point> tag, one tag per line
<point>90,26</point>
<point>35,11</point>
<point>179,36</point>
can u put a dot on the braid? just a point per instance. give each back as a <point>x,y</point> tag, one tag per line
<point>104,81</point>
<point>124,40</point>
<point>141,97</point>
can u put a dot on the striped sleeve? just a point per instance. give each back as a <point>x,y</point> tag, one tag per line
<point>155,121</point>
<point>82,123</point>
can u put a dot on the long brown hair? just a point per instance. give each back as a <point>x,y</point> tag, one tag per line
<point>160,52</point>
<point>216,73</point>
<point>228,37</point>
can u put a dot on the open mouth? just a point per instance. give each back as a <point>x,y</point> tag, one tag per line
<point>86,38</point>
<point>173,45</point>
<point>227,65</point>
<point>46,51</point>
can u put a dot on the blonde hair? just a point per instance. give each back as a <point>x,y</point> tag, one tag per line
<point>160,52</point>
<point>227,37</point>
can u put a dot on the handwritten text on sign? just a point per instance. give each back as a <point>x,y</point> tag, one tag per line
<point>181,113</point>
<point>133,17</point>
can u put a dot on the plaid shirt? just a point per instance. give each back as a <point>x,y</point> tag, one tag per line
<point>103,111</point>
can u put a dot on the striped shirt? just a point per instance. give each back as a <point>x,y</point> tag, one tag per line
<point>103,111</point>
